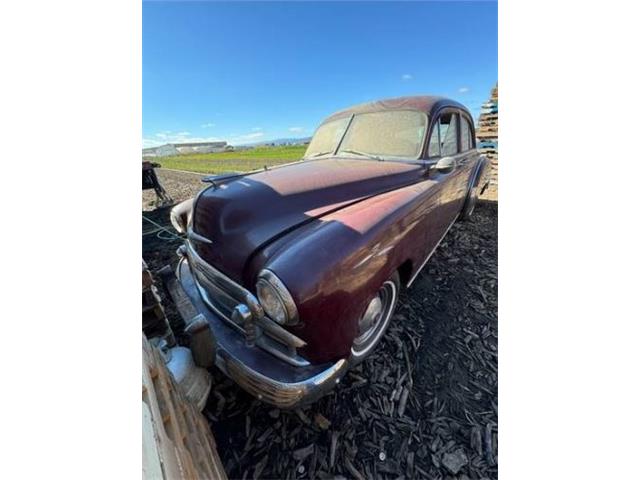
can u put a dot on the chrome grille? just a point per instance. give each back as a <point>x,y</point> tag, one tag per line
<point>222,295</point>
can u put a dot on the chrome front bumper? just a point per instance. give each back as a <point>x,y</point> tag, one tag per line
<point>255,370</point>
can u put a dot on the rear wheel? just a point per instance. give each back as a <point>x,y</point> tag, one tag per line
<point>375,321</point>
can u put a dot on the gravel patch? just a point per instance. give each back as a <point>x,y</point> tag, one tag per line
<point>179,185</point>
<point>424,405</point>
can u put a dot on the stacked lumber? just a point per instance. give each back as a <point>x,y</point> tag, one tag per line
<point>194,381</point>
<point>154,319</point>
<point>177,443</point>
<point>487,135</point>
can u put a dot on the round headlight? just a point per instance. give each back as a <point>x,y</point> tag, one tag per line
<point>276,299</point>
<point>271,302</point>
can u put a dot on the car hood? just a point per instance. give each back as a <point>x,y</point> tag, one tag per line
<point>247,213</point>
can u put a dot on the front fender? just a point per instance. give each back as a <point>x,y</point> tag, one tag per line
<point>334,265</point>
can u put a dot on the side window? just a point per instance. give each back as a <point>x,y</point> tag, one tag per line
<point>449,134</point>
<point>444,137</point>
<point>434,141</point>
<point>465,135</point>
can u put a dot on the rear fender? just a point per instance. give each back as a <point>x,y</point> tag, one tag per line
<point>479,178</point>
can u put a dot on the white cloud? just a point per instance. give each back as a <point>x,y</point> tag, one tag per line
<point>180,137</point>
<point>150,142</point>
<point>208,125</point>
<point>236,139</point>
<point>463,89</point>
<point>162,138</point>
<point>407,76</point>
<point>296,129</point>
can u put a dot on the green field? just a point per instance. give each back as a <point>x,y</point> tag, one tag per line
<point>242,161</point>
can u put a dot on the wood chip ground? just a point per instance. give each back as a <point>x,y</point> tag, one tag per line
<point>424,405</point>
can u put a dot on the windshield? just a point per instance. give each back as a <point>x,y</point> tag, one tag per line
<point>380,135</point>
<point>396,134</point>
<point>325,140</point>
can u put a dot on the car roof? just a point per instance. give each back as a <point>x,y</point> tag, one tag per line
<point>422,103</point>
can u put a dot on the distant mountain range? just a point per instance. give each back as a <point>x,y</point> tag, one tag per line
<point>279,141</point>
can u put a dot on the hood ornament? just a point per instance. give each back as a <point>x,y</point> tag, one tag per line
<point>196,237</point>
<point>217,180</point>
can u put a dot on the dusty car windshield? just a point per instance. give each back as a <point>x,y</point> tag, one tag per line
<point>380,135</point>
<point>393,134</point>
<point>325,140</point>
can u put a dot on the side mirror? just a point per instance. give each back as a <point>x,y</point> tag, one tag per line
<point>445,165</point>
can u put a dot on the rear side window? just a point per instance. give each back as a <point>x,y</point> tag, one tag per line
<point>466,143</point>
<point>444,136</point>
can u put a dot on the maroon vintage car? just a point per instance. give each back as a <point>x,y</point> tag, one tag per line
<point>297,268</point>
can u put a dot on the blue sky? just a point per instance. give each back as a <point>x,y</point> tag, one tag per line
<point>248,72</point>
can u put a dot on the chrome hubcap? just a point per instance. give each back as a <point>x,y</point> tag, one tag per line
<point>374,320</point>
<point>370,319</point>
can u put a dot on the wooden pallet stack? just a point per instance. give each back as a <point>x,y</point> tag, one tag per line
<point>487,135</point>
<point>177,443</point>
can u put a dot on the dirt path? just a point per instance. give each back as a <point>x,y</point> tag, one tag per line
<point>179,185</point>
<point>441,350</point>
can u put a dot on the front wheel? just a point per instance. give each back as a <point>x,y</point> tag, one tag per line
<point>375,320</point>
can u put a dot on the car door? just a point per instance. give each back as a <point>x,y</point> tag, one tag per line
<point>444,141</point>
<point>469,156</point>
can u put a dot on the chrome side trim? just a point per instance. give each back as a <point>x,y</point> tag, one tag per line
<point>431,253</point>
